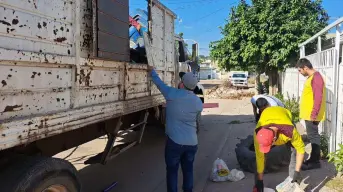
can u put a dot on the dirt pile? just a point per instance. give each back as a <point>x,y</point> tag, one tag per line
<point>227,91</point>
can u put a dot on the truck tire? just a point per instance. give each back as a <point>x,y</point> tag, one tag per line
<point>277,157</point>
<point>38,174</point>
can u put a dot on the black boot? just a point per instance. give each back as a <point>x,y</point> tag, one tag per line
<point>313,162</point>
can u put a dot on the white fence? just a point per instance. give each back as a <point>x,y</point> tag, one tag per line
<point>327,63</point>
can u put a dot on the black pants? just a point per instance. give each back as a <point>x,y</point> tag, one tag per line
<point>312,131</point>
<point>314,137</point>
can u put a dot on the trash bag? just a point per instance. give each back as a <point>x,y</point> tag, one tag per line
<point>220,172</point>
<point>236,175</point>
<point>288,186</point>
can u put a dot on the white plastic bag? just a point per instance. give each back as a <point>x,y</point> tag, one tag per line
<point>288,186</point>
<point>236,175</point>
<point>220,171</point>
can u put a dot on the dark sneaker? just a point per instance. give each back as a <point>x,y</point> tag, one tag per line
<point>310,165</point>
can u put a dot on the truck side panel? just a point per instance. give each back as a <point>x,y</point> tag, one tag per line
<point>51,84</point>
<point>37,26</point>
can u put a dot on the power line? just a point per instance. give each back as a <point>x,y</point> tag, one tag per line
<point>214,12</point>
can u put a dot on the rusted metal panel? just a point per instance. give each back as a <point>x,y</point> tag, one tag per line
<point>95,27</point>
<point>170,44</point>
<point>136,83</point>
<point>112,23</point>
<point>58,9</point>
<point>17,78</point>
<point>70,89</point>
<point>28,130</point>
<point>27,90</point>
<point>27,103</point>
<point>86,43</point>
<point>37,27</point>
<point>17,56</point>
<point>98,95</point>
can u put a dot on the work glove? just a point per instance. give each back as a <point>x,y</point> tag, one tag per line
<point>259,186</point>
<point>297,177</point>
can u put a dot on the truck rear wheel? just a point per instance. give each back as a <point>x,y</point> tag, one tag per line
<point>40,174</point>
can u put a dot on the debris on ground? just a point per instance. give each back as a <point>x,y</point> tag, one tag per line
<point>220,172</point>
<point>288,186</point>
<point>227,91</point>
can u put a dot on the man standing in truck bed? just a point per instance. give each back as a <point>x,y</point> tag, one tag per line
<point>182,122</point>
<point>312,109</point>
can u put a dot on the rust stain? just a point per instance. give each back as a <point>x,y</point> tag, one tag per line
<point>60,39</point>
<point>4,83</point>
<point>34,75</point>
<point>15,21</point>
<point>5,23</point>
<point>85,77</point>
<point>10,108</point>
<point>87,39</point>
<point>55,31</point>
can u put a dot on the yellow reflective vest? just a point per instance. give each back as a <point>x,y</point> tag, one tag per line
<point>313,99</point>
<point>282,119</point>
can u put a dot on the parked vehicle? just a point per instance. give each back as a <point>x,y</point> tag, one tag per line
<point>67,77</point>
<point>239,78</point>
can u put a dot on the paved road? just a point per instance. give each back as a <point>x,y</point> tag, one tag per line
<point>142,168</point>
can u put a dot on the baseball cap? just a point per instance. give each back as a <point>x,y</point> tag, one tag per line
<point>265,138</point>
<point>190,80</point>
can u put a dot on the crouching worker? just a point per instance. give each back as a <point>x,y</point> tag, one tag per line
<point>275,127</point>
<point>260,102</point>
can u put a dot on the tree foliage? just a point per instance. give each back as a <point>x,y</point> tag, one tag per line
<point>264,35</point>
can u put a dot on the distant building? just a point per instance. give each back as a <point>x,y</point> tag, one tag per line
<point>207,71</point>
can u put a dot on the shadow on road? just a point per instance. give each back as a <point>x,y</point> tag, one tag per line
<point>142,168</point>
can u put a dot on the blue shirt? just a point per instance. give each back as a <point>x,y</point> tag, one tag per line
<point>183,108</point>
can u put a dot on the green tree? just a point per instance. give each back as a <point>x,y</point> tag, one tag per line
<point>264,36</point>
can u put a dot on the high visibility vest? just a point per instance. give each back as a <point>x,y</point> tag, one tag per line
<point>275,115</point>
<point>307,102</point>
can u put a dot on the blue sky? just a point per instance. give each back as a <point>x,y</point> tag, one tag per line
<point>200,19</point>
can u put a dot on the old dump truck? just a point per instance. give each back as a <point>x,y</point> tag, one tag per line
<point>66,79</point>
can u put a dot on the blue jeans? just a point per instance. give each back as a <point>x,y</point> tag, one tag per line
<point>174,155</point>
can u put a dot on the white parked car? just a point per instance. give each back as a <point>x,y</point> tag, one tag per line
<point>239,80</point>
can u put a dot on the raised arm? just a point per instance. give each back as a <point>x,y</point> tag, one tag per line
<point>165,90</point>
